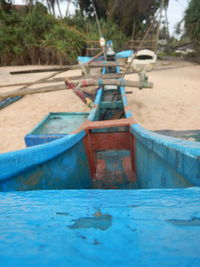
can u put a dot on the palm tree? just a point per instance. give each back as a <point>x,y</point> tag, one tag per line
<point>58,4</point>
<point>123,12</point>
<point>68,4</point>
<point>51,5</point>
<point>192,25</point>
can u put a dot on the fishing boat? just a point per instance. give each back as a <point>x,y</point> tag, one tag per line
<point>52,208</point>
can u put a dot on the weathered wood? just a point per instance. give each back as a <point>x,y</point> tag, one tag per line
<point>100,76</point>
<point>31,91</point>
<point>78,77</point>
<point>110,141</point>
<point>66,68</point>
<point>71,85</point>
<point>102,82</point>
<point>106,64</point>
<point>95,57</point>
<point>12,100</point>
<point>32,83</point>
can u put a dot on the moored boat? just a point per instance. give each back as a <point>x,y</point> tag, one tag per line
<point>105,149</point>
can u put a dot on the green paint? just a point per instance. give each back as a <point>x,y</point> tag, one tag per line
<point>60,123</point>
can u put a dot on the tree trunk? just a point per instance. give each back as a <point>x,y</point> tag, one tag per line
<point>67,11</point>
<point>57,1</point>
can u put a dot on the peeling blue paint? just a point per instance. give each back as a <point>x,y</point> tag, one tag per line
<point>32,234</point>
<point>101,227</point>
<point>169,162</point>
<point>100,221</point>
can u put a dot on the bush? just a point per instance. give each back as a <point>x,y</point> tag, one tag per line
<point>192,24</point>
<point>110,31</point>
<point>64,42</point>
<point>37,38</point>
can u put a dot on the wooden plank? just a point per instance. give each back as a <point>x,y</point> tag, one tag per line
<point>31,91</point>
<point>78,77</point>
<point>133,152</point>
<point>56,80</point>
<point>105,64</point>
<point>90,154</point>
<point>100,76</point>
<point>72,85</point>
<point>93,49</point>
<point>64,68</point>
<point>113,170</point>
<point>117,82</point>
<point>89,125</point>
<point>67,67</point>
<point>110,141</point>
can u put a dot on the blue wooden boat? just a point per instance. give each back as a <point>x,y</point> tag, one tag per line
<point>53,213</point>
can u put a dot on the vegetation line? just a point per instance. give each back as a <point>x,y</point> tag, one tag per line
<point>31,34</point>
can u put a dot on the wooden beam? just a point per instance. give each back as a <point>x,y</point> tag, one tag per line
<point>69,67</point>
<point>78,77</point>
<point>31,91</point>
<point>117,82</point>
<point>88,125</point>
<point>65,68</point>
<point>72,85</point>
<point>31,83</point>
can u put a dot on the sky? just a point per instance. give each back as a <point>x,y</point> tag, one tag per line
<point>175,11</point>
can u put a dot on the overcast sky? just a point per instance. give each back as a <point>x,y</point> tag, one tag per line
<point>175,11</point>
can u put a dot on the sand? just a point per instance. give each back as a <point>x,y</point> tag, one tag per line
<point>173,103</point>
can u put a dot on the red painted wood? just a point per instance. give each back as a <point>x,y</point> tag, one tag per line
<point>89,125</point>
<point>110,141</point>
<point>90,154</point>
<point>110,123</point>
<point>132,151</point>
<point>115,174</point>
<point>128,169</point>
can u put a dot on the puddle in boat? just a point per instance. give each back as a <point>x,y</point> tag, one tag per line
<point>97,221</point>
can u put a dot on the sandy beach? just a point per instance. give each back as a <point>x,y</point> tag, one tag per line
<point>173,103</point>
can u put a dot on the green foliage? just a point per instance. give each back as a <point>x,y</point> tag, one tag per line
<point>37,38</point>
<point>64,41</point>
<point>110,31</point>
<point>125,13</point>
<point>32,36</point>
<point>10,36</point>
<point>88,27</point>
<point>192,23</point>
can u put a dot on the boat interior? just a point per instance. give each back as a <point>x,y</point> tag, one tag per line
<point>108,151</point>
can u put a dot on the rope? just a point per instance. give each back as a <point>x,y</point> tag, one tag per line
<point>98,24</point>
<point>97,19</point>
<point>141,43</point>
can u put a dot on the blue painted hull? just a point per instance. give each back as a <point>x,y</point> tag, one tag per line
<point>154,227</point>
<point>100,228</point>
<point>161,162</point>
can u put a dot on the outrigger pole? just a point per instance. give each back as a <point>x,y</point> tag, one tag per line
<point>80,84</point>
